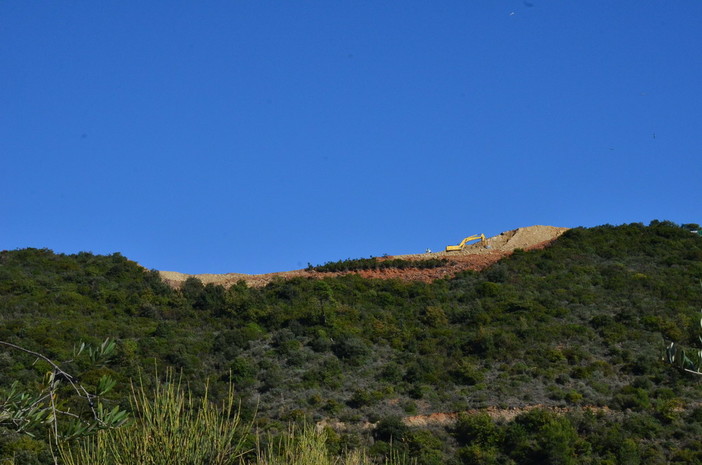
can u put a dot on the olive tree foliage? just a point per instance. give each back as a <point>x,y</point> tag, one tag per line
<point>48,405</point>
<point>684,358</point>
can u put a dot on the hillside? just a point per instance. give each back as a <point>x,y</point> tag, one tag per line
<point>475,256</point>
<point>547,353</point>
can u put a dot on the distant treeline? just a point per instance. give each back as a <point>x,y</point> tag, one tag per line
<point>373,263</point>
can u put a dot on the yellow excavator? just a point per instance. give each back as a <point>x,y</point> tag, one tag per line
<point>461,246</point>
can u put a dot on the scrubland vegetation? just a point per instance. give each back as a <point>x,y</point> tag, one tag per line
<point>373,263</point>
<point>583,323</point>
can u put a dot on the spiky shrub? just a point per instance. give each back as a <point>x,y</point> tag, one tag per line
<point>309,447</point>
<point>170,428</point>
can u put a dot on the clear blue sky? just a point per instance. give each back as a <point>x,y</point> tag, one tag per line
<point>257,136</point>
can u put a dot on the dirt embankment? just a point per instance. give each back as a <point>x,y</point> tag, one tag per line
<point>475,256</point>
<point>443,419</point>
<point>505,414</point>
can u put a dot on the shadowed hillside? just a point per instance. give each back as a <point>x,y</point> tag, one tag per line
<point>568,338</point>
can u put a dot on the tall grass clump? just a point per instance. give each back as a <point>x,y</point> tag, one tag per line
<point>169,428</point>
<point>309,447</point>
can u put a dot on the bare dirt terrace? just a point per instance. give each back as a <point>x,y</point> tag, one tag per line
<point>442,419</point>
<point>476,256</point>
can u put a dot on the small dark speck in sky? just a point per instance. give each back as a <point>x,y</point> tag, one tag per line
<point>84,136</point>
<point>528,4</point>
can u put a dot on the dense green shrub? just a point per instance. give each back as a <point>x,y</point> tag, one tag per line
<point>390,429</point>
<point>376,264</point>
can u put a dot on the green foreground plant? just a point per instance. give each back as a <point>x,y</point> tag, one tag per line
<point>308,446</point>
<point>24,411</point>
<point>684,358</point>
<point>170,427</point>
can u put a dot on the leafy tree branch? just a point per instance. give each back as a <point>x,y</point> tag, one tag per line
<point>23,411</point>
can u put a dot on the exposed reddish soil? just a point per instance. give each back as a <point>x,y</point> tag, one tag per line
<point>475,256</point>
<point>442,419</point>
<point>506,414</point>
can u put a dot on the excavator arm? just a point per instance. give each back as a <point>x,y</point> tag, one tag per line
<point>461,246</point>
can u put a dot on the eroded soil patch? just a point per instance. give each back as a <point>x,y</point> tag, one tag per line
<point>474,257</point>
